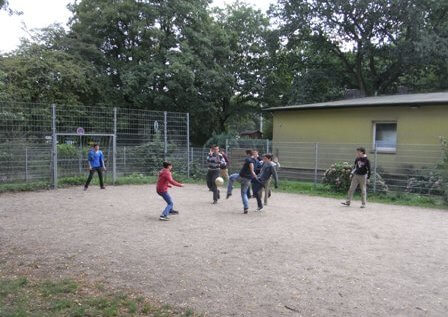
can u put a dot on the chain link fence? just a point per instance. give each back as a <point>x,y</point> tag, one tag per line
<point>40,142</point>
<point>412,168</point>
<point>409,168</point>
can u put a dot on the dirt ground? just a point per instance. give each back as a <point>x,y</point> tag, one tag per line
<point>303,256</point>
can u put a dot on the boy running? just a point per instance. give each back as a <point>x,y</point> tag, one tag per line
<point>163,183</point>
<point>359,175</point>
<point>215,162</point>
<point>95,159</point>
<point>267,170</point>
<point>244,177</point>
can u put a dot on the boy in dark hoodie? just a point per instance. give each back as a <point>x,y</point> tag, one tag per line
<point>359,175</point>
<point>268,169</point>
<point>164,182</point>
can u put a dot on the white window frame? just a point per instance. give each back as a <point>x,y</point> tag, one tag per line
<point>384,149</point>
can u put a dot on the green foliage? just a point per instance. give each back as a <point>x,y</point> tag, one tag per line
<point>429,183</point>
<point>224,65</point>
<point>443,167</point>
<point>67,151</point>
<point>338,177</point>
<point>376,42</point>
<point>221,140</point>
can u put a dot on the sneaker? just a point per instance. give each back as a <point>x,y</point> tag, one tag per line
<point>103,187</point>
<point>164,218</point>
<point>346,203</point>
<point>246,211</point>
<point>228,196</point>
<point>174,212</point>
<point>260,209</point>
<point>85,188</point>
<point>363,206</point>
<point>215,202</point>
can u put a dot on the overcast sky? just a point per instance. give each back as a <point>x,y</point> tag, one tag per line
<point>41,13</point>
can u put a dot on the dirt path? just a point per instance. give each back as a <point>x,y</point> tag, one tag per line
<point>304,256</point>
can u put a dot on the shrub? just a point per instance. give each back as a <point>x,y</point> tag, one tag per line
<point>67,151</point>
<point>429,184</point>
<point>337,176</point>
<point>443,168</point>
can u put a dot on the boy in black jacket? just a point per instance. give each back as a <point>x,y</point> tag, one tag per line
<point>360,175</point>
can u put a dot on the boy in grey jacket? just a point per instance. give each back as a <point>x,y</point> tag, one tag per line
<point>267,170</point>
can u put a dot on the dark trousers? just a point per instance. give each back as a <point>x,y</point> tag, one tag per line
<point>100,175</point>
<point>257,187</point>
<point>211,177</point>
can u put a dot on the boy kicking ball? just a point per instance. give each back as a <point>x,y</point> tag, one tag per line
<point>359,175</point>
<point>163,183</point>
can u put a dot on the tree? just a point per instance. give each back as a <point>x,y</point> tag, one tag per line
<point>37,74</point>
<point>376,41</point>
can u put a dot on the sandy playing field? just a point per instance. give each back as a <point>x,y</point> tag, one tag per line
<point>303,256</point>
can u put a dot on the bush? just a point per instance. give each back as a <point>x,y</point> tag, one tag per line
<point>337,176</point>
<point>67,151</point>
<point>443,168</point>
<point>429,184</point>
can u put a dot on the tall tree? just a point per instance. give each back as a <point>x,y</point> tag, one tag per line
<point>376,41</point>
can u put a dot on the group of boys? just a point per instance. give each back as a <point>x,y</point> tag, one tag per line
<point>256,171</point>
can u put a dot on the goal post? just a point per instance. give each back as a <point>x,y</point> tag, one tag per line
<point>56,158</point>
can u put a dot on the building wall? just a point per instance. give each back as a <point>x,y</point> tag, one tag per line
<point>414,126</point>
<point>339,131</point>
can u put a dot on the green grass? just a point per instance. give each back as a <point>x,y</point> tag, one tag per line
<point>404,199</point>
<point>22,297</point>
<point>295,187</point>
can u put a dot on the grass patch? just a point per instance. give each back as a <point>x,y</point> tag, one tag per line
<point>21,297</point>
<point>393,198</point>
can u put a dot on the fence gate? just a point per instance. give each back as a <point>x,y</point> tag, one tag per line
<point>69,163</point>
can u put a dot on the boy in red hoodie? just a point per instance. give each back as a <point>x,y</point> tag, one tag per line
<point>164,182</point>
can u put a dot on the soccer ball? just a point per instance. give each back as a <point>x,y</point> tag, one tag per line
<point>219,181</point>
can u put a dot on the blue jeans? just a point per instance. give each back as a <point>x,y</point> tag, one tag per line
<point>169,202</point>
<point>245,183</point>
<point>232,179</point>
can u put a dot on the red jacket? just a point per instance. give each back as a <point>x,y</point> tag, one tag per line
<point>165,180</point>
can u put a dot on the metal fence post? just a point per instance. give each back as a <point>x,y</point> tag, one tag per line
<point>80,155</point>
<point>227,146</point>
<point>124,157</point>
<point>54,148</point>
<point>267,145</point>
<point>188,145</point>
<point>375,166</point>
<point>114,149</point>
<point>26,165</point>
<point>165,137</point>
<point>316,160</point>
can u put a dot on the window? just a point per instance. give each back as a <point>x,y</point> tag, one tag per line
<point>385,136</point>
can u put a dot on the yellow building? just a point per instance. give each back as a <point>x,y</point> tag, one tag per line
<point>405,130</point>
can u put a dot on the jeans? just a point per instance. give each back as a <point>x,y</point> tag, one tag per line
<point>232,179</point>
<point>211,177</point>
<point>245,183</point>
<point>169,203</point>
<point>360,180</point>
<point>257,187</point>
<point>99,170</point>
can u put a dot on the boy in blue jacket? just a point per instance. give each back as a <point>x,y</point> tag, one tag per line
<point>95,159</point>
